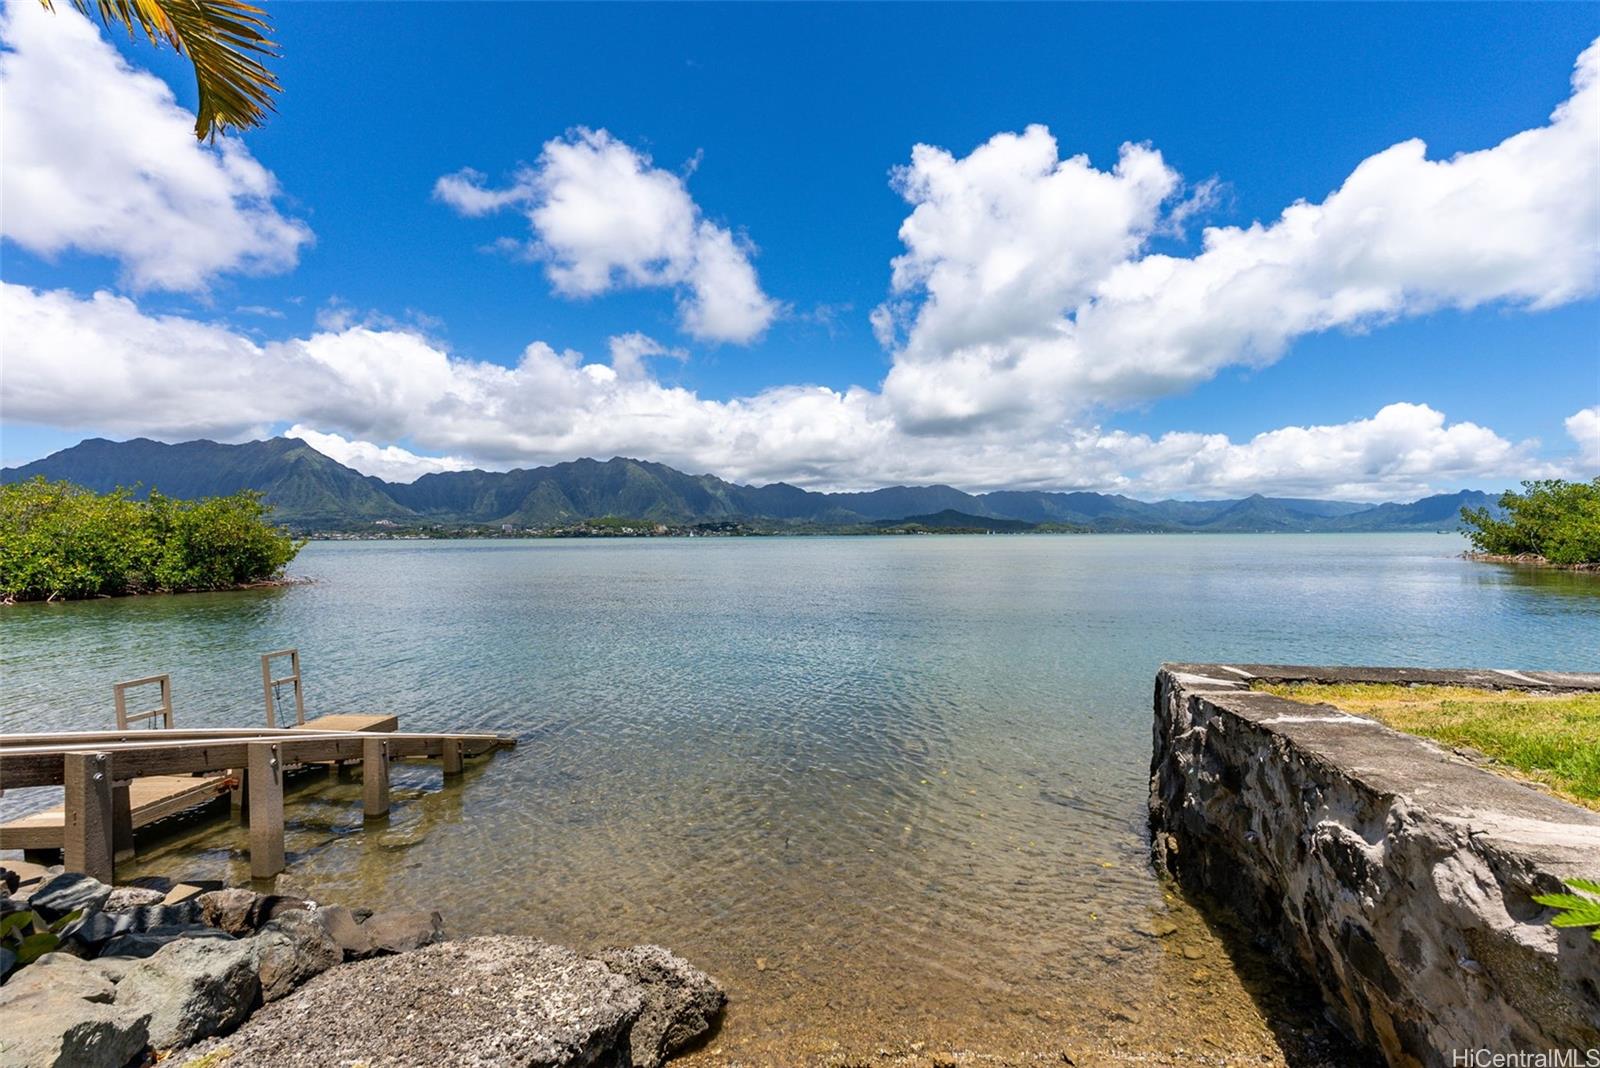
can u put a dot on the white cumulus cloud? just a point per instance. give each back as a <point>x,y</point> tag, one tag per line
<point>98,157</point>
<point>604,217</point>
<point>1025,293</point>
<point>355,390</point>
<point>1584,429</point>
<point>388,462</point>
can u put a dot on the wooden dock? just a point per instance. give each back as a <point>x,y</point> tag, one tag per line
<point>98,772</point>
<point>155,797</point>
<point>118,781</point>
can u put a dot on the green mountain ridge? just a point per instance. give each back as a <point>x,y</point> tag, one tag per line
<point>311,491</point>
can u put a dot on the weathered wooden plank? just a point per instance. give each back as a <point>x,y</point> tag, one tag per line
<point>351,721</point>
<point>87,844</point>
<point>375,777</point>
<point>264,763</point>
<point>150,799</point>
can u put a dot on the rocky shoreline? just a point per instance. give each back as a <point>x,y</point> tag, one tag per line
<point>195,977</point>
<point>1527,560</point>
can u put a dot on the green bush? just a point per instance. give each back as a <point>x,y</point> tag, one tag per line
<point>58,540</point>
<point>1555,519</point>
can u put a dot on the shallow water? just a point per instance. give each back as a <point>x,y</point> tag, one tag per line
<point>890,790</point>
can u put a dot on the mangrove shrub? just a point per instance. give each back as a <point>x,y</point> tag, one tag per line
<point>58,540</point>
<point>1553,518</point>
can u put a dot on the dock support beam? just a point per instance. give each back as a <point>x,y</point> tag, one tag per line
<point>452,756</point>
<point>375,777</point>
<point>121,822</point>
<point>88,843</point>
<point>265,783</point>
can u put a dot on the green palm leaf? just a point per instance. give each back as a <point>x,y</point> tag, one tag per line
<point>1581,909</point>
<point>222,38</point>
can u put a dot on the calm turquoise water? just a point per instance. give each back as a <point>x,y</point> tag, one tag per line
<point>886,788</point>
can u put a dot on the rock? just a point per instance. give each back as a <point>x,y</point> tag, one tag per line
<point>182,892</point>
<point>243,912</point>
<point>66,893</point>
<point>194,987</point>
<point>228,909</point>
<point>680,1002</point>
<point>89,934</point>
<point>496,1000</point>
<point>291,950</point>
<point>10,880</point>
<point>401,931</point>
<point>132,897</point>
<point>58,1012</point>
<point>66,974</point>
<point>141,944</point>
<point>346,930</point>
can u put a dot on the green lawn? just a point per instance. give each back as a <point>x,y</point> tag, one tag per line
<point>1552,740</point>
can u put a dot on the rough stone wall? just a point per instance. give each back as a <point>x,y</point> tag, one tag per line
<point>1392,871</point>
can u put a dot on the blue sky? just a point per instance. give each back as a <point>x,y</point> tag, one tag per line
<point>784,123</point>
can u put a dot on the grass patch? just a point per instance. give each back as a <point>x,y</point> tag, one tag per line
<point>1554,740</point>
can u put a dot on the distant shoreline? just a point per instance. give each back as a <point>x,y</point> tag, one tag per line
<point>534,535</point>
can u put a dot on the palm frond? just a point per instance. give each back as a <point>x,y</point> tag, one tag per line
<point>224,39</point>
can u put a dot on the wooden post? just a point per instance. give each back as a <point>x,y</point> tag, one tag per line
<point>452,756</point>
<point>375,777</point>
<point>239,796</point>
<point>121,822</point>
<point>87,835</point>
<point>266,809</point>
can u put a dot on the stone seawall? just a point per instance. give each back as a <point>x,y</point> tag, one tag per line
<point>1396,874</point>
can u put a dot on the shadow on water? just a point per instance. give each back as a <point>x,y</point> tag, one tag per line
<point>1288,1000</point>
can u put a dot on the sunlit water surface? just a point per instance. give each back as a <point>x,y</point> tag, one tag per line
<point>891,790</point>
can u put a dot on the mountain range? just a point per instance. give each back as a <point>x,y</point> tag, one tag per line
<point>310,491</point>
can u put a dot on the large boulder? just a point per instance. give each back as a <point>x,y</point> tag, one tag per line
<point>194,987</point>
<point>495,1000</point>
<point>291,950</point>
<point>681,1003</point>
<point>58,1011</point>
<point>68,892</point>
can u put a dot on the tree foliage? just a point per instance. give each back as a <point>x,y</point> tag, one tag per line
<point>58,540</point>
<point>222,38</point>
<point>1553,518</point>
